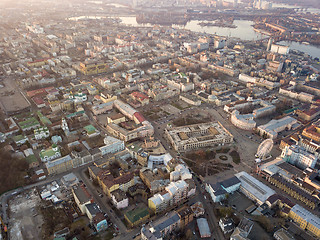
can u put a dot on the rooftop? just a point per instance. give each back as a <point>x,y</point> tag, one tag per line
<point>82,194</point>
<point>255,187</point>
<point>203,227</point>
<point>306,215</point>
<point>30,122</point>
<point>137,213</point>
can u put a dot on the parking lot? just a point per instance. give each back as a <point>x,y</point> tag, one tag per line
<point>239,202</point>
<point>170,109</point>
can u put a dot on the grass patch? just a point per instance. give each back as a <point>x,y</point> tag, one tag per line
<point>190,163</point>
<point>223,150</point>
<point>235,157</point>
<point>189,120</point>
<point>177,106</point>
<point>201,155</point>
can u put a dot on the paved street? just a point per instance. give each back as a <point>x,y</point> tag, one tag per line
<point>102,202</point>
<point>210,216</point>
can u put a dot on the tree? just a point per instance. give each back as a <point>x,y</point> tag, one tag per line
<point>12,171</point>
<point>265,223</point>
<point>225,212</point>
<point>188,234</point>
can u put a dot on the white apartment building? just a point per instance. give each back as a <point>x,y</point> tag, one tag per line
<point>112,145</point>
<point>299,156</point>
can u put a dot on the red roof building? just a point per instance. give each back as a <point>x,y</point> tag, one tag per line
<point>138,117</point>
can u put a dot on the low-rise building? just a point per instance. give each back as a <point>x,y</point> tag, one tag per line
<point>59,165</point>
<point>160,228</point>
<point>29,123</point>
<point>219,191</point>
<point>204,228</point>
<point>198,135</point>
<point>108,183</point>
<point>313,131</point>
<point>226,225</point>
<point>243,121</point>
<point>42,132</point>
<point>190,99</point>
<point>99,221</point>
<point>137,216</point>
<point>282,234</point>
<point>92,209</point>
<point>253,188</point>
<point>101,108</point>
<point>119,199</point>
<point>298,156</point>
<point>81,197</point>
<point>186,216</point>
<point>309,114</point>
<point>50,154</point>
<point>243,230</point>
<point>272,128</point>
<point>305,219</point>
<point>174,193</point>
<point>294,191</point>
<point>112,145</point>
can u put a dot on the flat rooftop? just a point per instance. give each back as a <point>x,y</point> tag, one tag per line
<point>198,133</point>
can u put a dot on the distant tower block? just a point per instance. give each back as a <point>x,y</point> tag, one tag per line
<point>254,4</point>
<point>134,3</point>
<point>235,3</point>
<point>269,44</point>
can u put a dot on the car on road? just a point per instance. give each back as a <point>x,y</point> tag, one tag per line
<point>110,210</point>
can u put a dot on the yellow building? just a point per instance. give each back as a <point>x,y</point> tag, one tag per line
<point>37,63</point>
<point>93,68</point>
<point>109,184</point>
<point>59,165</point>
<point>305,219</point>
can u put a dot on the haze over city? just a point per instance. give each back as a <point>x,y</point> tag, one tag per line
<point>152,120</point>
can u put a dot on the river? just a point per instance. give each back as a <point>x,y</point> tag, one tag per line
<point>313,51</point>
<point>244,30</point>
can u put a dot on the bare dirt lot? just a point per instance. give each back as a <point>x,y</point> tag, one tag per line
<point>25,221</point>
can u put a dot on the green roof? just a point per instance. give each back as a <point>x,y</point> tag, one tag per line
<point>90,129</point>
<point>75,114</point>
<point>23,115</point>
<point>136,214</point>
<point>18,138</point>
<point>49,152</point>
<point>30,122</point>
<point>43,119</point>
<point>31,158</point>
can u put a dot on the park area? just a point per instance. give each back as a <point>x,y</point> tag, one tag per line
<point>208,162</point>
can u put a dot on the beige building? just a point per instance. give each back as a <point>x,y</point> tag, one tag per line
<point>198,135</point>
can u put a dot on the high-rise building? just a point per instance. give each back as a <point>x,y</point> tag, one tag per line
<point>269,44</point>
